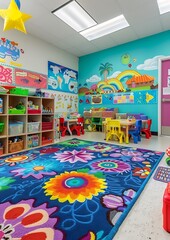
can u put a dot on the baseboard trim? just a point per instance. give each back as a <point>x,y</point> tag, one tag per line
<point>154,133</point>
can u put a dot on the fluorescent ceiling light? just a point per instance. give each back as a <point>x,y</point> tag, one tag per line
<point>75,16</point>
<point>105,28</point>
<point>164,6</point>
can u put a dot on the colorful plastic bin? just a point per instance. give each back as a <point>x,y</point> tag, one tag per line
<point>47,125</point>
<point>1,127</point>
<point>16,111</point>
<point>166,208</point>
<point>19,91</point>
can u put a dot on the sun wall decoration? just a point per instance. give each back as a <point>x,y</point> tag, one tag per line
<point>13,17</point>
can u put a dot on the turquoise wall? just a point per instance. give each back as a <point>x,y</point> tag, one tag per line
<point>143,58</point>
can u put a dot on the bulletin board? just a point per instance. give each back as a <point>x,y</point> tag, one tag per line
<point>61,78</point>
<point>30,79</point>
<point>6,75</point>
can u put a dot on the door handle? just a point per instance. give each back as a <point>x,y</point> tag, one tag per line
<point>165,99</point>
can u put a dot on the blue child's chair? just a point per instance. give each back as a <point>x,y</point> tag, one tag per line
<point>135,132</point>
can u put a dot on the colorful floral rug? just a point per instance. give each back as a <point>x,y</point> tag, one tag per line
<point>73,190</point>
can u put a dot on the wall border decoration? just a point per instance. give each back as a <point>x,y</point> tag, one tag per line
<point>62,79</point>
<point>123,98</point>
<point>96,99</point>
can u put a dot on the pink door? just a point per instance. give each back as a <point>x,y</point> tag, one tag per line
<point>165,97</point>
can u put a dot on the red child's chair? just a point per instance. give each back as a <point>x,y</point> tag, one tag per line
<point>63,128</point>
<point>78,127</point>
<point>147,129</point>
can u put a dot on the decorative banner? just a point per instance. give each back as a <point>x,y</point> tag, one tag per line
<point>96,99</point>
<point>123,98</point>
<point>61,78</point>
<point>30,79</point>
<point>107,98</point>
<point>146,97</point>
<point>6,75</point>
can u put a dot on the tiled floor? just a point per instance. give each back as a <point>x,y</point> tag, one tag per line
<point>145,220</point>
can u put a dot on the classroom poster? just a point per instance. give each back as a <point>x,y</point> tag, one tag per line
<point>30,79</point>
<point>61,78</point>
<point>6,75</point>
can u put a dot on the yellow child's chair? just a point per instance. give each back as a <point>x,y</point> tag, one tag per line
<point>114,130</point>
<point>105,124</point>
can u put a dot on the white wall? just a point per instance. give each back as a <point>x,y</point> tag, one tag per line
<point>36,55</point>
<point>37,52</point>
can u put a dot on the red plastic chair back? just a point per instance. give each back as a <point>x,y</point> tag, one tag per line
<point>79,126</point>
<point>147,130</point>
<point>63,128</point>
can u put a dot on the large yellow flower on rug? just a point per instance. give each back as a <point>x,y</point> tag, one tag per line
<point>72,186</point>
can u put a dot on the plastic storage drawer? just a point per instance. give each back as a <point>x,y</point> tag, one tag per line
<point>33,127</point>
<point>16,128</point>
<point>47,125</point>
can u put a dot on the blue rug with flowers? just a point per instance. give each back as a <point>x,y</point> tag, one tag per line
<point>73,190</point>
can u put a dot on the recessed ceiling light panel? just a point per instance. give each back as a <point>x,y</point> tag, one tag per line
<point>105,28</point>
<point>164,6</point>
<point>75,16</point>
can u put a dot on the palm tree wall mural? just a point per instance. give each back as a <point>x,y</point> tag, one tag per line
<point>105,69</point>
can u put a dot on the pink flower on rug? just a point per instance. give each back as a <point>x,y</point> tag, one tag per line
<point>112,201</point>
<point>101,147</point>
<point>112,166</point>
<point>74,156</point>
<point>131,153</point>
<point>22,221</point>
<point>118,202</point>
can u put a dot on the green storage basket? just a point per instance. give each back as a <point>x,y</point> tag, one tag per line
<point>16,111</point>
<point>19,91</point>
<point>1,127</point>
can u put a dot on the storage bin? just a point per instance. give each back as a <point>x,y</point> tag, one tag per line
<point>47,125</point>
<point>16,111</point>
<point>16,146</point>
<point>34,111</point>
<point>96,114</point>
<point>110,114</point>
<point>87,114</point>
<point>16,128</point>
<point>1,127</point>
<point>33,126</point>
<point>46,141</point>
<point>19,91</point>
